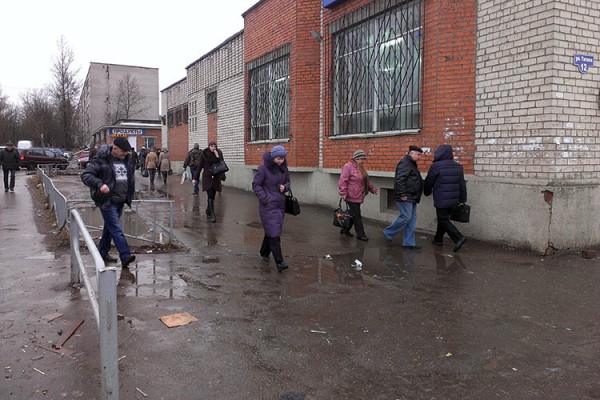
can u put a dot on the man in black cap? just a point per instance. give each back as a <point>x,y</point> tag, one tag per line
<point>408,187</point>
<point>9,159</point>
<point>110,176</point>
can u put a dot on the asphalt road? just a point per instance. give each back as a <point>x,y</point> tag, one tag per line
<point>485,323</point>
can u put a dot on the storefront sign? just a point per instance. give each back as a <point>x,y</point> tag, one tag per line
<point>331,3</point>
<point>115,132</point>
<point>584,62</point>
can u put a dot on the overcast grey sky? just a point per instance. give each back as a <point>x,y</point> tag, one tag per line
<point>168,35</point>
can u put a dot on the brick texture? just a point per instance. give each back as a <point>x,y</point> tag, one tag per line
<point>537,115</point>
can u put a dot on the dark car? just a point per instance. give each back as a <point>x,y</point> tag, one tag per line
<point>31,158</point>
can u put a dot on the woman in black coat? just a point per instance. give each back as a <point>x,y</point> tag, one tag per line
<point>210,184</point>
<point>446,180</point>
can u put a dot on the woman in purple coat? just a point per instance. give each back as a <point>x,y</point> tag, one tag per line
<point>271,181</point>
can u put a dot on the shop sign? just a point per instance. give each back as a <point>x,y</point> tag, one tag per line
<point>116,132</point>
<point>331,3</point>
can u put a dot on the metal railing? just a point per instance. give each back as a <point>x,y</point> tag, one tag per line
<point>61,206</point>
<point>104,304</point>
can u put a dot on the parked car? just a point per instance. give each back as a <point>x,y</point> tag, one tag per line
<point>34,156</point>
<point>83,158</point>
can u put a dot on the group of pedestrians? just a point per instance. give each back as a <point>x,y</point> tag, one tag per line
<point>110,177</point>
<point>445,180</point>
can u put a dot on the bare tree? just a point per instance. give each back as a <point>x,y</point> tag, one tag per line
<point>64,92</point>
<point>9,120</point>
<point>130,101</point>
<point>39,119</point>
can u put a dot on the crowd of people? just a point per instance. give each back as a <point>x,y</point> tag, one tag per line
<point>110,175</point>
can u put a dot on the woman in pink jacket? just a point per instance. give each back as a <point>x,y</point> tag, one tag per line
<point>354,185</point>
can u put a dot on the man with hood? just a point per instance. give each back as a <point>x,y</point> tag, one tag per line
<point>110,176</point>
<point>446,180</point>
<point>408,187</point>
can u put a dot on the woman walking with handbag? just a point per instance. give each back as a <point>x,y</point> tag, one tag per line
<point>151,162</point>
<point>271,181</point>
<point>354,185</point>
<point>210,184</point>
<point>164,161</point>
<point>446,180</point>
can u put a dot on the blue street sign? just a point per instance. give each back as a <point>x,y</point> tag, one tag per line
<point>584,62</point>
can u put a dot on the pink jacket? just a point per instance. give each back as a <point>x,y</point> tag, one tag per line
<point>351,184</point>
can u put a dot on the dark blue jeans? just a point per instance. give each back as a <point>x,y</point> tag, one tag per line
<point>193,170</point>
<point>12,172</point>
<point>113,231</point>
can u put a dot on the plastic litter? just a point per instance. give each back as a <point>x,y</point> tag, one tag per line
<point>357,265</point>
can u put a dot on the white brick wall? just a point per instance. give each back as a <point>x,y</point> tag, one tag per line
<point>220,70</point>
<point>537,115</point>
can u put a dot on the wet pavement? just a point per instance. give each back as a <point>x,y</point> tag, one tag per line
<point>487,322</point>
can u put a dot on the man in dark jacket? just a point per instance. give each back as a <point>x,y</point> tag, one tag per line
<point>9,159</point>
<point>408,187</point>
<point>192,160</point>
<point>110,176</point>
<point>446,180</point>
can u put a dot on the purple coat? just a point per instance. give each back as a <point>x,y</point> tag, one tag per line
<point>271,202</point>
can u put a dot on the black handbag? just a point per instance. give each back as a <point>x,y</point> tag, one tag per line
<point>291,204</point>
<point>219,168</point>
<point>341,217</point>
<point>461,213</point>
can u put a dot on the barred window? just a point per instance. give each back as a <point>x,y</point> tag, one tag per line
<point>186,115</point>
<point>170,121</point>
<point>211,102</point>
<point>377,73</point>
<point>178,116</point>
<point>270,100</point>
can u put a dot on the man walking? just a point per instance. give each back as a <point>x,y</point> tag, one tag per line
<point>408,187</point>
<point>193,161</point>
<point>9,159</point>
<point>446,180</point>
<point>111,179</point>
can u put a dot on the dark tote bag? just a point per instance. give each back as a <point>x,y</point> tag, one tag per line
<point>219,168</point>
<point>341,217</point>
<point>291,204</point>
<point>461,213</point>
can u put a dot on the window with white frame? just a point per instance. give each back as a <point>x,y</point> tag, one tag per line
<point>270,100</point>
<point>377,73</point>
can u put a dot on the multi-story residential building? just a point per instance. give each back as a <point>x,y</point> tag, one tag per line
<point>113,93</point>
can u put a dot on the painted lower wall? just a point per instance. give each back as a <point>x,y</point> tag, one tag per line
<point>508,213</point>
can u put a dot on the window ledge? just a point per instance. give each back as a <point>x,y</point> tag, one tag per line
<point>375,134</point>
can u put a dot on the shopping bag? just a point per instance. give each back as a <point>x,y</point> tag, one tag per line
<point>342,217</point>
<point>461,213</point>
<point>292,206</point>
<point>186,176</point>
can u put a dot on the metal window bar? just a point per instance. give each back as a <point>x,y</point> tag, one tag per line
<point>270,100</point>
<point>104,304</point>
<point>377,72</point>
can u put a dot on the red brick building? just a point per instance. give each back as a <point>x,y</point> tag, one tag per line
<point>382,75</point>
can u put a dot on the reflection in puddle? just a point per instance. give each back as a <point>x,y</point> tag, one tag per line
<point>149,279</point>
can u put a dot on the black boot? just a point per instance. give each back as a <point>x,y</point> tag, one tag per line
<point>211,210</point>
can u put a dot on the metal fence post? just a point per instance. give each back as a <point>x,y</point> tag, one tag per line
<point>109,348</point>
